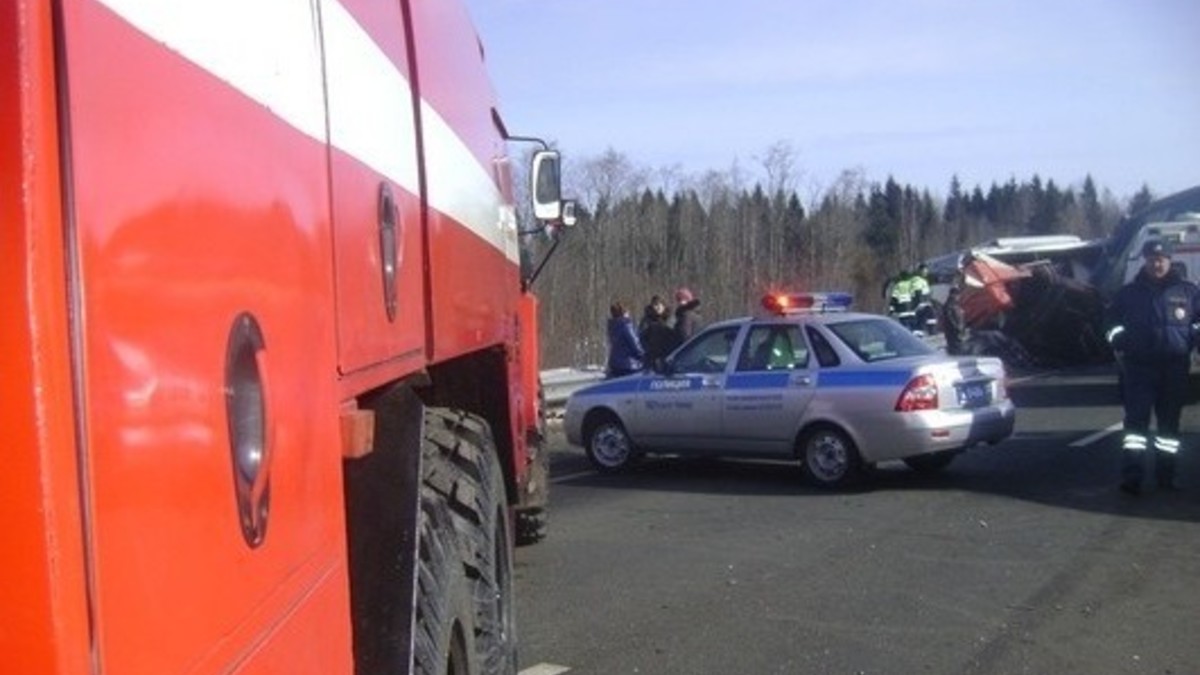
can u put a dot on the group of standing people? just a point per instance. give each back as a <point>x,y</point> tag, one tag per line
<point>657,334</point>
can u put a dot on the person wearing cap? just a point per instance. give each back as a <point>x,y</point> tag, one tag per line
<point>1152,327</point>
<point>687,319</point>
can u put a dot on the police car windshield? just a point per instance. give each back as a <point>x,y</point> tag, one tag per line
<point>879,339</point>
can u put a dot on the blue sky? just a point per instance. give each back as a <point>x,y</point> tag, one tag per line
<point>915,89</point>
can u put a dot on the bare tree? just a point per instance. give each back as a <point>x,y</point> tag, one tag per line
<point>779,163</point>
<point>603,180</point>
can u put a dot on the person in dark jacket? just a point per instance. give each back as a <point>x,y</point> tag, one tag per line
<point>1152,325</point>
<point>687,319</point>
<point>625,353</point>
<point>656,335</point>
<point>954,322</point>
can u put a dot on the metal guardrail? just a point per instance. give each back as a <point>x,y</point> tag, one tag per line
<point>559,383</point>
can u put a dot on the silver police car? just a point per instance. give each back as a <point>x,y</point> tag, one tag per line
<point>837,390</point>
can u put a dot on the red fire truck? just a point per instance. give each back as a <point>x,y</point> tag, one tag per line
<point>269,354</point>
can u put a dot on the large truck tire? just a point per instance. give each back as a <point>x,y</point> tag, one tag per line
<point>532,525</point>
<point>461,476</point>
<point>444,640</point>
<point>532,519</point>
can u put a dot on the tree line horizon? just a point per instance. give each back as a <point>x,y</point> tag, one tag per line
<point>731,237</point>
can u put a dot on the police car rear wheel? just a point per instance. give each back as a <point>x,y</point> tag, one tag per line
<point>608,445</point>
<point>830,457</point>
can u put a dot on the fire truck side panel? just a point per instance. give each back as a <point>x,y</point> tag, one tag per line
<point>373,131</point>
<point>472,228</point>
<point>43,620</point>
<point>472,233</point>
<point>201,200</point>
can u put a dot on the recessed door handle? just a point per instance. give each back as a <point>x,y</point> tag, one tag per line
<point>250,429</point>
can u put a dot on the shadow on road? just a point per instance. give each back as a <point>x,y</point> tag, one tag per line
<point>1036,468</point>
<point>1082,395</point>
<point>1038,465</point>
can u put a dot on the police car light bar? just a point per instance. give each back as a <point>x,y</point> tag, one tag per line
<point>807,303</point>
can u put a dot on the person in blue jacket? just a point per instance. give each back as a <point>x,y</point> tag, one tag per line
<point>1152,326</point>
<point>625,353</point>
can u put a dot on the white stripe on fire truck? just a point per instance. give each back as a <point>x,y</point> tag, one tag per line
<point>370,102</point>
<point>224,37</point>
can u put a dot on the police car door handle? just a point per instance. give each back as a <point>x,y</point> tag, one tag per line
<point>711,382</point>
<point>802,380</point>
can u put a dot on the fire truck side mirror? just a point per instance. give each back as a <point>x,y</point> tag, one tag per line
<point>569,218</point>
<point>547,186</point>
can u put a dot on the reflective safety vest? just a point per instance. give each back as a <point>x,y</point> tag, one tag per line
<point>902,290</point>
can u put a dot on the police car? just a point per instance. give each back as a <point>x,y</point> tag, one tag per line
<point>837,390</point>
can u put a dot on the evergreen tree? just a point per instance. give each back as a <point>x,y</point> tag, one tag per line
<point>1093,216</point>
<point>1141,200</point>
<point>881,232</point>
<point>1047,210</point>
<point>956,207</point>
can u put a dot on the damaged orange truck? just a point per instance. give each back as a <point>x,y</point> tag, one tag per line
<point>268,345</point>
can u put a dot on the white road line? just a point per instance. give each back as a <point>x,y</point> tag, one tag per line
<point>1088,440</point>
<point>544,669</point>
<point>1019,380</point>
<point>571,476</point>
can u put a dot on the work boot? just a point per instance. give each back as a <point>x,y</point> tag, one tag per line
<point>1164,471</point>
<point>1131,486</point>
<point>1131,478</point>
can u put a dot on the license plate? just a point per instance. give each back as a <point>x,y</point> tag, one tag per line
<point>974,394</point>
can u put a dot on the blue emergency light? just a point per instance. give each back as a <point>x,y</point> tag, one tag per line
<point>807,303</point>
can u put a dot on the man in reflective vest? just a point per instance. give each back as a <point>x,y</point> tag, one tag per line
<point>900,298</point>
<point>1152,326</point>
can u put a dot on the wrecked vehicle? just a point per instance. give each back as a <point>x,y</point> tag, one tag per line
<point>1055,318</point>
<point>1040,300</point>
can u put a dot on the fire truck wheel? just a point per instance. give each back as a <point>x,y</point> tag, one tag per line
<point>531,526</point>
<point>532,518</point>
<point>444,640</point>
<point>461,465</point>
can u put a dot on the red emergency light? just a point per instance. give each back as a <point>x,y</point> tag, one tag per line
<point>797,303</point>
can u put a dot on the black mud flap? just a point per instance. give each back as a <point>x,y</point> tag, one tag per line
<point>382,495</point>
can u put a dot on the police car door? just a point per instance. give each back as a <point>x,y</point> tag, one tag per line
<point>768,390</point>
<point>681,410</point>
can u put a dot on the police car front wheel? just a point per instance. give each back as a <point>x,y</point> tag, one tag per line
<point>608,445</point>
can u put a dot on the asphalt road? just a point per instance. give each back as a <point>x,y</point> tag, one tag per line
<point>1019,558</point>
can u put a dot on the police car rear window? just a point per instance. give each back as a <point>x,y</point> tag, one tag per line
<point>826,355</point>
<point>879,339</point>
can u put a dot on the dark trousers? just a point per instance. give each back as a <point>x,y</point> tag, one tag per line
<point>1159,389</point>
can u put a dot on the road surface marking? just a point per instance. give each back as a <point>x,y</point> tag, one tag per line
<point>1088,440</point>
<point>562,479</point>
<point>544,669</point>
